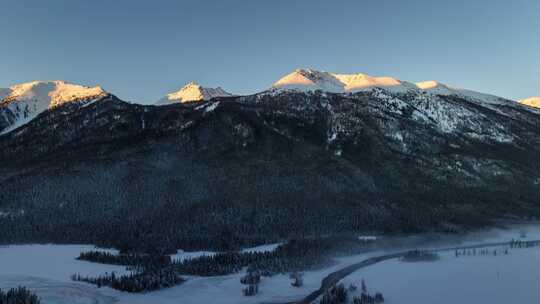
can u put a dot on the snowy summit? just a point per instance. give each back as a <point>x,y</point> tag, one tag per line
<point>532,101</point>
<point>312,80</point>
<point>193,92</point>
<point>21,103</point>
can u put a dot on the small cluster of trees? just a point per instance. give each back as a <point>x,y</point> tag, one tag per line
<point>367,298</point>
<point>297,279</point>
<point>335,295</point>
<point>523,244</point>
<point>513,244</point>
<point>481,251</point>
<point>338,294</point>
<point>252,280</point>
<point>147,280</point>
<point>251,290</point>
<point>19,295</point>
<point>251,277</point>
<point>136,260</point>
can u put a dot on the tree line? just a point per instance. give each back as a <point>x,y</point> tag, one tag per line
<point>339,294</point>
<point>19,295</point>
<point>151,272</point>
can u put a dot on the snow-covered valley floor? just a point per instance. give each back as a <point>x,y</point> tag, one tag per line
<point>500,279</point>
<point>511,278</point>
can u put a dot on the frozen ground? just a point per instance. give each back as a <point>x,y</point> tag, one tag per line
<point>46,269</point>
<point>57,292</point>
<point>56,262</point>
<point>500,279</point>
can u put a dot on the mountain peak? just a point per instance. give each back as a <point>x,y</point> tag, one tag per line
<point>193,92</point>
<point>311,80</point>
<point>51,93</point>
<point>20,103</point>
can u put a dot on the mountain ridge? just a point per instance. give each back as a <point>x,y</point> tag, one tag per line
<point>267,167</point>
<point>311,80</point>
<point>17,106</point>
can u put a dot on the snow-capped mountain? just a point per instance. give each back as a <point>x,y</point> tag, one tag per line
<point>313,80</point>
<point>531,101</point>
<point>21,103</point>
<point>427,156</point>
<point>192,92</point>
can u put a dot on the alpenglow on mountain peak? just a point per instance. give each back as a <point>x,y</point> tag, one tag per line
<point>310,80</point>
<point>306,80</point>
<point>22,102</point>
<point>192,92</point>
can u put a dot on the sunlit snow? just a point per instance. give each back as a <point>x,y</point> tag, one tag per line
<point>26,101</point>
<point>313,80</point>
<point>532,102</point>
<point>193,92</point>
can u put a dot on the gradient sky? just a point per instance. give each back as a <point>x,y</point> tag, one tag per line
<point>141,50</point>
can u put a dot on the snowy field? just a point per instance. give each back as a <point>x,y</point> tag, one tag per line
<point>46,270</point>
<point>494,279</point>
<point>500,279</point>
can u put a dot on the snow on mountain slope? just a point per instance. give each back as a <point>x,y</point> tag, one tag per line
<point>358,82</point>
<point>532,102</point>
<point>20,103</point>
<point>193,92</point>
<point>312,80</point>
<point>437,88</point>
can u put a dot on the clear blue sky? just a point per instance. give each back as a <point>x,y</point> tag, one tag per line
<point>141,50</point>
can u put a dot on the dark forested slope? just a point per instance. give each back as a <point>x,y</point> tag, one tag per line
<point>242,170</point>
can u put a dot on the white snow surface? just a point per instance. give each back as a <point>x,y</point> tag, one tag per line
<point>313,80</point>
<point>55,262</point>
<point>46,270</point>
<point>490,279</point>
<point>262,248</point>
<point>192,92</point>
<point>28,100</point>
<point>531,101</point>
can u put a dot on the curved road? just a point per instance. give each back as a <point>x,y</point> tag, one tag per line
<point>333,278</point>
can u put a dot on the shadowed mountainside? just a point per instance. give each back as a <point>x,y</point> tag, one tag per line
<point>237,171</point>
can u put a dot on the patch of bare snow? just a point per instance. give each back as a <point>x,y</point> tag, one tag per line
<point>211,107</point>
